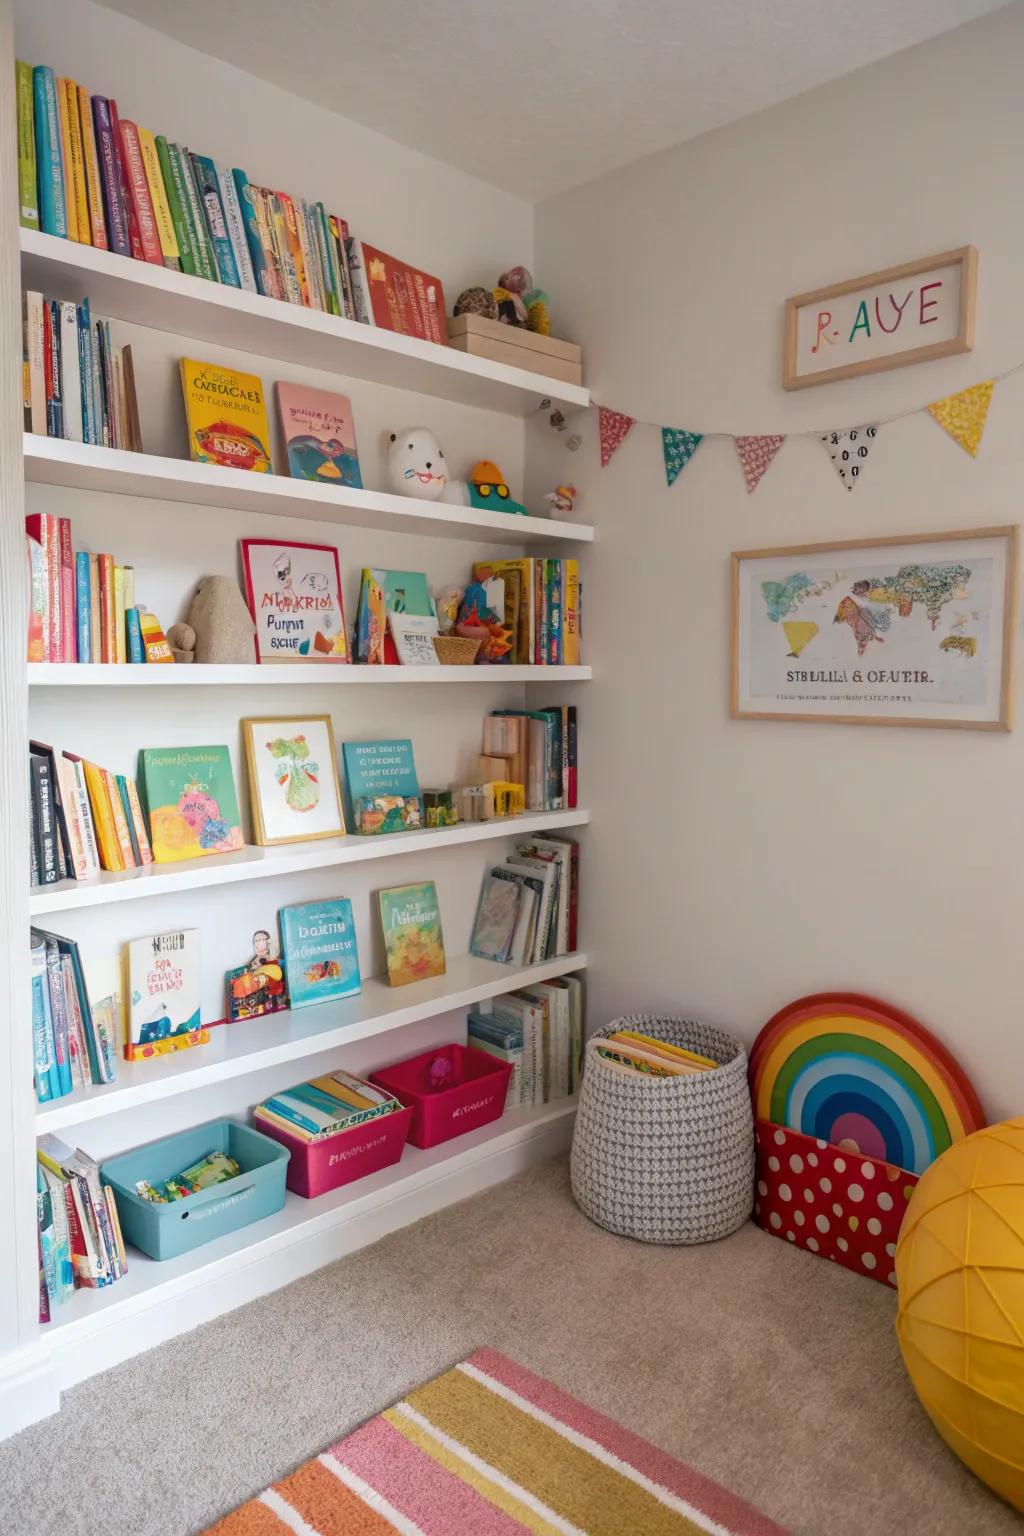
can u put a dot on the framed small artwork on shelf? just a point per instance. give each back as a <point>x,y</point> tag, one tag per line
<point>293,779</point>
<point>294,595</point>
<point>908,630</point>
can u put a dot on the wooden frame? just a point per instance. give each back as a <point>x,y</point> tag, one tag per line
<point>1003,720</point>
<point>259,825</point>
<point>966,256</point>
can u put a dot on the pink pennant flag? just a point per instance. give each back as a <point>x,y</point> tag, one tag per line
<point>614,429</point>
<point>756,453</point>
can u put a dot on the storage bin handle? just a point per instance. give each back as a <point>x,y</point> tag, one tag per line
<point>218,1205</point>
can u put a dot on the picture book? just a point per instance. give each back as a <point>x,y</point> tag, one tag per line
<point>414,635</point>
<point>163,994</point>
<point>319,435</point>
<point>399,297</point>
<point>383,592</point>
<point>496,917</point>
<point>257,987</point>
<point>382,791</point>
<point>411,920</point>
<point>191,799</point>
<point>318,943</point>
<point>294,596</point>
<point>227,417</point>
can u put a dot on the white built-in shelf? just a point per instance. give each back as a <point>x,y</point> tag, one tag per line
<point>86,675</point>
<point>251,863</point>
<point>150,1283</point>
<point>218,316</point>
<point>85,467</point>
<point>235,1050</point>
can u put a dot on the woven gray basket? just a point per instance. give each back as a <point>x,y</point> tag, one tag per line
<point>666,1159</point>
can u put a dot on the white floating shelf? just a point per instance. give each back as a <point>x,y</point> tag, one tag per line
<point>237,1049</point>
<point>252,863</point>
<point>145,294</point>
<point>84,467</point>
<point>87,675</point>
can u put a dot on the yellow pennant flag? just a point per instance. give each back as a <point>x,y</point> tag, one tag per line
<point>963,415</point>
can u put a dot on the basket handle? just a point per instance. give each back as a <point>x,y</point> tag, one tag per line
<point>217,1205</point>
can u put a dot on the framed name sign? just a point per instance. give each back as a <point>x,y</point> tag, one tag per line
<point>907,314</point>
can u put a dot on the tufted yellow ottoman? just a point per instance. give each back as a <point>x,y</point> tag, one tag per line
<point>960,1272</point>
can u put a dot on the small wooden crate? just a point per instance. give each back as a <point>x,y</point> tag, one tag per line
<point>560,360</point>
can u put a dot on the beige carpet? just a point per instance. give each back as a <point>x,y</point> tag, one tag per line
<point>767,1369</point>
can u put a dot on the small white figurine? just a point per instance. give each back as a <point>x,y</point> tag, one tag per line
<point>416,464</point>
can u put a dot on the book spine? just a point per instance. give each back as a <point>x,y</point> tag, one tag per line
<point>171,179</point>
<point>205,173</point>
<point>291,228</point>
<point>571,614</point>
<point>138,191</point>
<point>236,228</point>
<point>81,796</point>
<point>553,589</point>
<point>91,163</point>
<point>115,1222</point>
<point>124,841</point>
<point>136,648</point>
<point>120,649</point>
<point>245,196</point>
<point>83,608</point>
<point>43,1056</point>
<point>339,234</point>
<point>78,1050</point>
<point>64,132</point>
<point>35,337</point>
<point>45,822</point>
<point>310,256</point>
<point>138,822</point>
<point>49,162</point>
<point>95,612</point>
<point>45,529</point>
<point>70,375</point>
<point>162,221</point>
<point>120,784</point>
<point>67,590</point>
<point>103,818</point>
<point>127,202</point>
<point>72,817</point>
<point>541,611</point>
<point>264,223</point>
<point>37,601</point>
<point>85,372</point>
<point>108,631</point>
<point>572,773</point>
<point>76,182</point>
<point>130,401</point>
<point>206,266</point>
<point>329,257</point>
<point>283,249</point>
<point>361,301</point>
<point>110,180</point>
<point>109,394</point>
<point>28,197</point>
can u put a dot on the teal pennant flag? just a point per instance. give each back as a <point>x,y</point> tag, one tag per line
<point>679,448</point>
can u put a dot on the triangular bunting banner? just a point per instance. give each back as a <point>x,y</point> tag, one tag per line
<point>678,447</point>
<point>963,415</point>
<point>848,451</point>
<point>614,429</point>
<point>756,453</point>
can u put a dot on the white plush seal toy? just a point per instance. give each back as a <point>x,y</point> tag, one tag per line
<point>416,464</point>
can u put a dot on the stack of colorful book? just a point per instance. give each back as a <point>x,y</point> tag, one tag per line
<point>76,383</point>
<point>528,908</point>
<point>326,1107</point>
<point>539,1031</point>
<point>79,1233</point>
<point>542,602</point>
<point>74,1037</point>
<point>538,748</point>
<point>87,174</point>
<point>629,1051</point>
<point>83,818</point>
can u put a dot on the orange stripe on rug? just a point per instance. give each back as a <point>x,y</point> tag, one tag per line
<point>327,1506</point>
<point>252,1519</point>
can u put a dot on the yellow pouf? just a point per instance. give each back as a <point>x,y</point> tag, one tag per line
<point>960,1270</point>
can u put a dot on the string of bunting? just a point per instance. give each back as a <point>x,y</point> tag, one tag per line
<point>961,415</point>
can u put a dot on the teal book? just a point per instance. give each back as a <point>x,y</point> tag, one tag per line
<point>191,799</point>
<point>381,789</point>
<point>208,190</point>
<point>133,634</point>
<point>318,947</point>
<point>49,156</point>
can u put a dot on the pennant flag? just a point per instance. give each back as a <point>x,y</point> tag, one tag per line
<point>848,450</point>
<point>614,429</point>
<point>678,447</point>
<point>756,453</point>
<point>963,415</point>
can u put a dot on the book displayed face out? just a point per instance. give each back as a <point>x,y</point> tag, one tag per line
<point>411,921</point>
<point>318,944</point>
<point>294,595</point>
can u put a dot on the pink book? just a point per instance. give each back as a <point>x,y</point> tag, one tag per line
<point>68,617</point>
<point>45,529</point>
<point>319,435</point>
<point>138,191</point>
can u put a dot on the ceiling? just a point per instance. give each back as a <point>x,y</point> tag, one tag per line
<point>539,95</point>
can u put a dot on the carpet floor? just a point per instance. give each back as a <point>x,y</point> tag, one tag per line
<point>766,1369</point>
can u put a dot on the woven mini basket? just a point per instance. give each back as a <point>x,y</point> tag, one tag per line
<point>666,1159</point>
<point>456,650</point>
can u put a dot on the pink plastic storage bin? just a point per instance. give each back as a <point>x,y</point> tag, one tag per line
<point>478,1098</point>
<point>314,1168</point>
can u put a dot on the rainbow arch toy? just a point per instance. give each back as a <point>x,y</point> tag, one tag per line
<point>861,1075</point>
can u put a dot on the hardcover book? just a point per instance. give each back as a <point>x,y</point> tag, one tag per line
<point>399,297</point>
<point>496,917</point>
<point>319,435</point>
<point>163,994</point>
<point>411,920</point>
<point>227,417</point>
<point>193,807</point>
<point>382,790</point>
<point>318,944</point>
<point>294,596</point>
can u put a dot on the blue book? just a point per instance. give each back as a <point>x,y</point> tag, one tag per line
<point>318,948</point>
<point>82,606</point>
<point>250,223</point>
<point>493,1027</point>
<point>208,187</point>
<point>85,374</point>
<point>133,632</point>
<point>53,213</point>
<point>553,604</point>
<point>59,1018</point>
<point>44,1056</point>
<point>381,789</point>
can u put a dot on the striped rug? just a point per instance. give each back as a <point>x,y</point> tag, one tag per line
<point>489,1449</point>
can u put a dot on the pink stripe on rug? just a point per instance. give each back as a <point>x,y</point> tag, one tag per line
<point>711,1499</point>
<point>417,1487</point>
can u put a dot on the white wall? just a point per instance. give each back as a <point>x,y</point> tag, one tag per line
<point>736,865</point>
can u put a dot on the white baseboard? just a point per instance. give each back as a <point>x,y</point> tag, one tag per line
<point>29,1389</point>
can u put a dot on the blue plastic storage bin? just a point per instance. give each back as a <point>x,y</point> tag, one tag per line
<point>165,1231</point>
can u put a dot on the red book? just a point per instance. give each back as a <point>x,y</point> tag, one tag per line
<point>134,237</point>
<point>68,615</point>
<point>401,298</point>
<point>45,529</point>
<point>138,192</point>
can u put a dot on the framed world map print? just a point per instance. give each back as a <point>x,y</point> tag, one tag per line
<point>908,630</point>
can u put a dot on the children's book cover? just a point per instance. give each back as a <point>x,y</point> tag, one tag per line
<point>257,987</point>
<point>496,917</point>
<point>319,435</point>
<point>402,298</point>
<point>294,596</point>
<point>382,592</point>
<point>411,920</point>
<point>382,790</point>
<point>321,960</point>
<point>227,417</point>
<point>163,994</point>
<point>193,807</point>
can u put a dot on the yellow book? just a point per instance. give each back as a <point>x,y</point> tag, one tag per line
<point>571,614</point>
<point>227,417</point>
<point>78,187</point>
<point>124,837</point>
<point>94,191</point>
<point>70,202</point>
<point>103,818</point>
<point>158,197</point>
<point>122,648</point>
<point>663,1045</point>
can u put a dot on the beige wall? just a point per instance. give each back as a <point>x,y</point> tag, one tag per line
<point>737,865</point>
